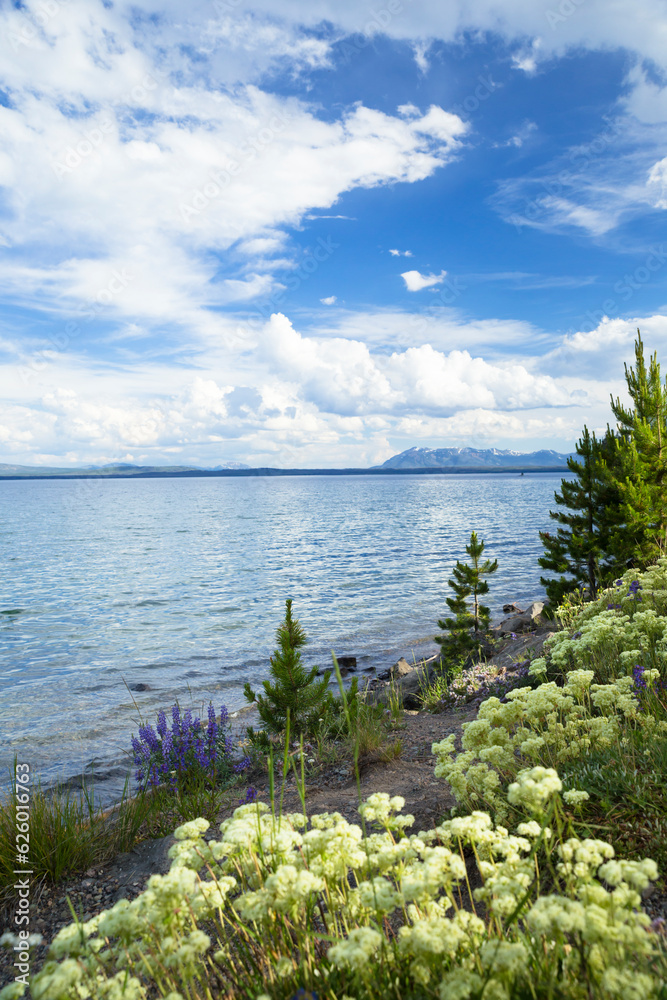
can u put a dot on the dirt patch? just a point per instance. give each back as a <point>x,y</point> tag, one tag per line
<point>427,798</point>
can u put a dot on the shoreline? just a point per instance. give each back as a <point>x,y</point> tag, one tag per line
<point>267,471</point>
<point>118,768</point>
<point>106,773</point>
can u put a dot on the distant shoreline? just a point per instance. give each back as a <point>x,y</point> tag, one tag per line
<point>236,473</point>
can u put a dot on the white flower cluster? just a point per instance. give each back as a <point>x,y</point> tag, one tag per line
<point>547,725</point>
<point>315,895</point>
<point>552,725</point>
<point>616,627</point>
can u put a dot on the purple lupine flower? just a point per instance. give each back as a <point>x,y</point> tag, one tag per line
<point>250,796</point>
<point>147,734</point>
<point>167,749</point>
<point>189,747</point>
<point>577,635</point>
<point>634,587</point>
<point>638,674</point>
<point>224,715</point>
<point>212,728</point>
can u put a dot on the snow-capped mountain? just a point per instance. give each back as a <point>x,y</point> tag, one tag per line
<point>474,458</point>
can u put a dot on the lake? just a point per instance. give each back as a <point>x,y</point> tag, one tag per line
<point>178,585</point>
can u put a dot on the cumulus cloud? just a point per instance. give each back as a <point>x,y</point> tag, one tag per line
<point>327,397</point>
<point>149,179</point>
<point>329,300</point>
<point>343,376</point>
<point>401,253</point>
<point>415,282</point>
<point>105,156</point>
<point>602,351</point>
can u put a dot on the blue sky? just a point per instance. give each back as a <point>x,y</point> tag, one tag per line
<point>317,234</point>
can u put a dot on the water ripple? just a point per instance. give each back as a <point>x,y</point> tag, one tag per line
<point>118,581</point>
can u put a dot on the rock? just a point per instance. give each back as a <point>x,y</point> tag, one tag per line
<point>526,621</point>
<point>512,609</point>
<point>409,682</point>
<point>400,669</point>
<point>139,687</point>
<point>347,663</point>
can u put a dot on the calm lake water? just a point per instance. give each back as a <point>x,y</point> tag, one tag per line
<point>179,585</point>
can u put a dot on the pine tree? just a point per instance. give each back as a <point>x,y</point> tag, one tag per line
<point>614,514</point>
<point>469,623</point>
<point>589,515</point>
<point>293,688</point>
<point>641,475</point>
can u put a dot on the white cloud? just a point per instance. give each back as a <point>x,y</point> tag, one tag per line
<point>592,220</point>
<point>420,50</point>
<point>190,173</point>
<point>526,59</point>
<point>442,327</point>
<point>149,179</point>
<point>415,282</point>
<point>326,397</point>
<point>520,137</point>
<point>657,183</point>
<point>343,376</point>
<point>401,253</point>
<point>600,353</point>
<point>262,245</point>
<point>329,300</point>
<point>595,24</point>
<point>266,40</point>
<point>646,100</point>
<point>292,399</point>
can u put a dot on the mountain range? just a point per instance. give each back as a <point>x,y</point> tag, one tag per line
<point>115,469</point>
<point>413,459</point>
<point>474,458</point>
